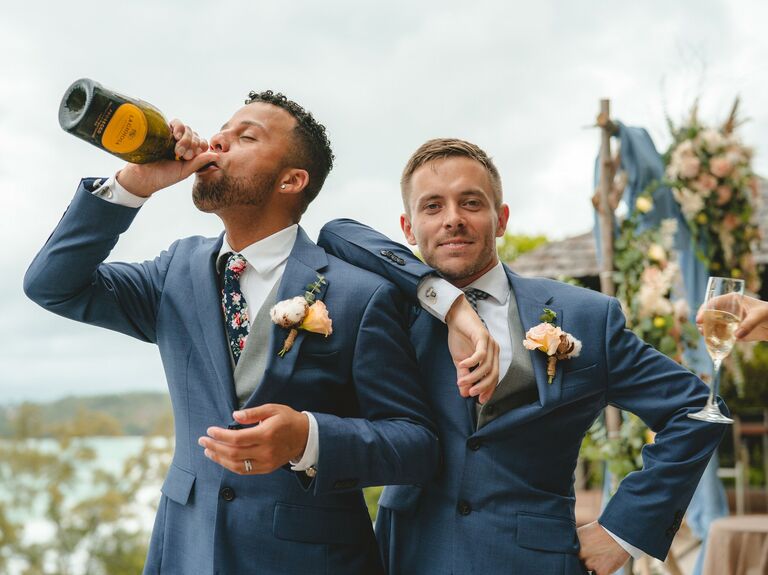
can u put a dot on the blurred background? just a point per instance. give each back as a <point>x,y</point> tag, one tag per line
<point>523,80</point>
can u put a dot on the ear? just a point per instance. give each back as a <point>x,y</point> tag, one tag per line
<point>405,225</point>
<point>292,181</point>
<point>501,223</point>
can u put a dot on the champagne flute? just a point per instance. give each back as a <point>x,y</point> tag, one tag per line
<point>722,315</point>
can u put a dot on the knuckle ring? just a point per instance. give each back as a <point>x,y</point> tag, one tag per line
<point>248,466</point>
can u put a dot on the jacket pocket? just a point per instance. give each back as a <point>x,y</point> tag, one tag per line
<point>581,376</point>
<point>321,524</point>
<point>178,484</point>
<point>547,533</point>
<point>401,498</point>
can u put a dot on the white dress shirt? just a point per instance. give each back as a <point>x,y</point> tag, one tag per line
<point>266,258</point>
<point>437,295</point>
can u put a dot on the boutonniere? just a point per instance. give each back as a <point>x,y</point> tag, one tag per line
<point>552,340</point>
<point>302,312</point>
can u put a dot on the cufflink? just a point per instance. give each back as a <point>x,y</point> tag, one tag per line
<point>430,293</point>
<point>311,471</point>
<point>103,190</point>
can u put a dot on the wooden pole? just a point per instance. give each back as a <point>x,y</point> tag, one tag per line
<point>607,128</point>
<point>605,213</point>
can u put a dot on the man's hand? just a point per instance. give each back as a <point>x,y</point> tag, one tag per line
<point>280,436</point>
<point>599,551</point>
<point>192,150</point>
<point>475,353</point>
<point>754,323</point>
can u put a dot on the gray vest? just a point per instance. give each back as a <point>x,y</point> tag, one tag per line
<point>253,360</point>
<point>518,386</point>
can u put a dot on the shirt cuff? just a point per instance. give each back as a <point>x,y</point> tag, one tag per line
<point>312,451</point>
<point>629,548</point>
<point>437,295</point>
<point>114,193</point>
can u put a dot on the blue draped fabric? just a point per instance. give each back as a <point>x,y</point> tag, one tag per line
<point>644,165</point>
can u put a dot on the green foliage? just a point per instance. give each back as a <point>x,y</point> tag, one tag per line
<point>93,533</point>
<point>511,246</point>
<point>549,316</point>
<point>744,386</point>
<point>108,415</point>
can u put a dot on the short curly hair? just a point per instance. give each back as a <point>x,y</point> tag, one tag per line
<point>312,151</point>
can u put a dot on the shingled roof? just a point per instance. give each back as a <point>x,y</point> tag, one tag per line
<point>575,257</point>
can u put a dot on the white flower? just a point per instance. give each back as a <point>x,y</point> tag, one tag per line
<point>576,343</point>
<point>712,140</point>
<point>690,202</point>
<point>667,230</point>
<point>289,312</point>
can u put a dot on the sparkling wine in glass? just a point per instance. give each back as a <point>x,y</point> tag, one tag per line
<point>721,316</point>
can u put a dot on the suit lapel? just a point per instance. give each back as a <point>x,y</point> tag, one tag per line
<point>532,298</point>
<point>205,285</point>
<point>302,268</point>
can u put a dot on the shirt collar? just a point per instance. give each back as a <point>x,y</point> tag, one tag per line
<point>266,254</point>
<point>494,282</point>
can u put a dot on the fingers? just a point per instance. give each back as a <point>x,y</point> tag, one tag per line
<point>256,414</point>
<point>482,379</point>
<point>487,386</point>
<point>188,143</point>
<point>260,460</point>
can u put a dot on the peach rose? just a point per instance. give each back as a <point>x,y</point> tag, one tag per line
<point>544,337</point>
<point>720,166</point>
<point>689,167</point>
<point>724,195</point>
<point>705,183</point>
<point>317,319</point>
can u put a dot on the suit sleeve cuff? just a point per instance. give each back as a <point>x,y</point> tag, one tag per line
<point>628,547</point>
<point>437,295</point>
<point>312,451</point>
<point>111,191</point>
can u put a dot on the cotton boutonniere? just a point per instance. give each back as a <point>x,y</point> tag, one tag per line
<point>302,312</point>
<point>552,340</point>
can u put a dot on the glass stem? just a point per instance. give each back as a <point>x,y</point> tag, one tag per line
<point>715,383</point>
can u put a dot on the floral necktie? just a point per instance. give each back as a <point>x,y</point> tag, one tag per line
<point>234,305</point>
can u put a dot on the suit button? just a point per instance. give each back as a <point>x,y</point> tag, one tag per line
<point>385,253</point>
<point>227,494</point>
<point>474,443</point>
<point>464,508</point>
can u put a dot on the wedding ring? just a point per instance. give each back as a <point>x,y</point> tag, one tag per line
<point>248,466</point>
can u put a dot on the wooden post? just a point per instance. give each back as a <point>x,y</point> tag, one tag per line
<point>605,213</point>
<point>607,128</point>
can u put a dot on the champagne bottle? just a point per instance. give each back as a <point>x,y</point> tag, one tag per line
<point>129,128</point>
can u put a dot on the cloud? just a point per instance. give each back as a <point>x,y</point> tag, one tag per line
<point>521,79</point>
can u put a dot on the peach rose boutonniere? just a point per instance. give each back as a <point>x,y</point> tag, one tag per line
<point>302,312</point>
<point>553,341</point>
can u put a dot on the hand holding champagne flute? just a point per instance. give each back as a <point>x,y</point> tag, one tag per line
<point>721,315</point>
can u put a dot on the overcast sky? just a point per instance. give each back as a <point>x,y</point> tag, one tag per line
<point>521,79</point>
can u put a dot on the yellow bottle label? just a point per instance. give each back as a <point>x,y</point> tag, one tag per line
<point>126,130</point>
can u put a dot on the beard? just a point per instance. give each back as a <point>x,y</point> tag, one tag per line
<point>226,191</point>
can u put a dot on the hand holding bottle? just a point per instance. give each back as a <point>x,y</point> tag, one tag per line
<point>146,179</point>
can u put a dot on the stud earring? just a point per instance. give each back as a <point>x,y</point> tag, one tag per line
<point>282,186</point>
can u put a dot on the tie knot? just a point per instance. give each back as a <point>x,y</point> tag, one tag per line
<point>473,295</point>
<point>236,263</point>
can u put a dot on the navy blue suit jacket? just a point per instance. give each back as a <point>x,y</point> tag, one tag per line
<point>361,383</point>
<point>503,501</point>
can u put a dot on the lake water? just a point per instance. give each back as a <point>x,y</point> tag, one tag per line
<point>111,453</point>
